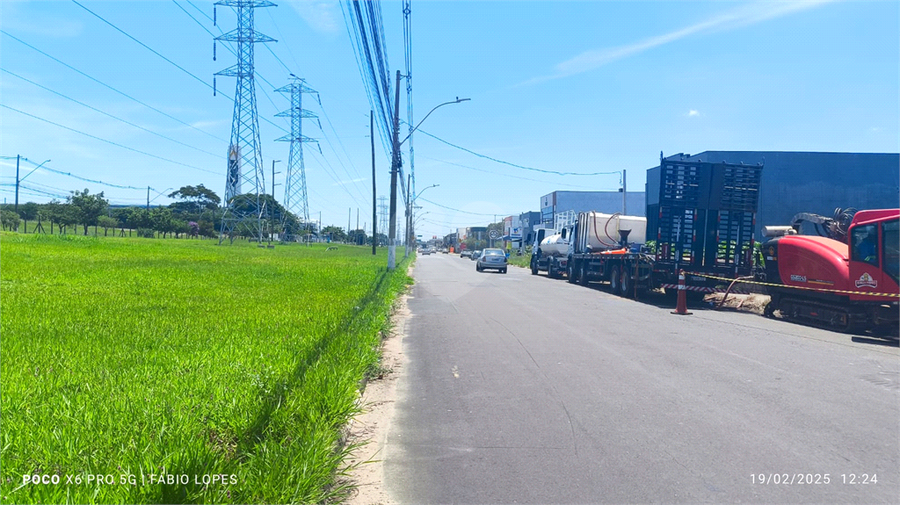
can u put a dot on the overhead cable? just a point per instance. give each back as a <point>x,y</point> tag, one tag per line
<point>110,115</point>
<point>457,210</point>
<point>616,172</point>
<point>107,141</point>
<point>112,88</point>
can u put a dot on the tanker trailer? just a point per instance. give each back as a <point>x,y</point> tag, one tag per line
<point>549,253</point>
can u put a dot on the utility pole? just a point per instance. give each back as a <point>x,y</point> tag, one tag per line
<point>624,191</point>
<point>148,197</point>
<point>408,214</point>
<point>357,225</point>
<point>395,167</point>
<point>17,182</point>
<point>374,217</point>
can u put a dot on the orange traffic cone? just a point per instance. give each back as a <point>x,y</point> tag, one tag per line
<point>681,306</point>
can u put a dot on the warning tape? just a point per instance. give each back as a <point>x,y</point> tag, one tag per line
<point>819,290</point>
<point>701,289</point>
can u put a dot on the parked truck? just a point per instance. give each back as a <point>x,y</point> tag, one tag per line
<point>549,252</point>
<point>700,219</point>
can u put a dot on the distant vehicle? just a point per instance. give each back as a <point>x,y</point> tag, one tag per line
<point>492,259</point>
<point>445,250</point>
<point>465,254</point>
<point>426,252</point>
<point>476,254</point>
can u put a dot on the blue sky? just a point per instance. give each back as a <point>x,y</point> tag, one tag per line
<point>562,86</point>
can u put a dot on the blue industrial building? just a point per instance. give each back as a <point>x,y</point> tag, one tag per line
<point>817,182</point>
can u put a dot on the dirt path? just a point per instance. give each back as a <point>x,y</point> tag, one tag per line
<point>371,427</point>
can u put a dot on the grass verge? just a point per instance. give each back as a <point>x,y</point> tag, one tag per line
<point>162,364</point>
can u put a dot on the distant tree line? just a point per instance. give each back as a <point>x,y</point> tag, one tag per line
<point>196,214</point>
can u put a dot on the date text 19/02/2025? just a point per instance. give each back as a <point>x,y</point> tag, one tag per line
<point>813,478</point>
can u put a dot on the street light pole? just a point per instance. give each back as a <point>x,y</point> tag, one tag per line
<point>395,168</point>
<point>409,211</point>
<point>18,157</point>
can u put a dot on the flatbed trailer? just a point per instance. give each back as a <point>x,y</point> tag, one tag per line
<point>702,216</point>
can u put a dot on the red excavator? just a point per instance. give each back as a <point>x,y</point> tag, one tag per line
<point>846,278</point>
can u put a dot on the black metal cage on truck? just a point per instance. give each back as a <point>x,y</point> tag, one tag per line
<point>704,216</point>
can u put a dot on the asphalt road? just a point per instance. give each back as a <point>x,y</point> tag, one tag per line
<point>523,389</point>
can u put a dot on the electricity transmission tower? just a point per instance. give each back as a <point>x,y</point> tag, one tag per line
<point>383,217</point>
<point>245,181</point>
<point>295,199</point>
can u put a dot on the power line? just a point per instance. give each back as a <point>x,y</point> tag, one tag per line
<point>123,32</point>
<point>457,210</point>
<point>110,115</point>
<point>554,172</point>
<point>234,52</point>
<point>502,175</point>
<point>70,67</point>
<point>107,141</point>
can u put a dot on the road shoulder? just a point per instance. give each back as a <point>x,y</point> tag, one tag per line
<point>370,429</point>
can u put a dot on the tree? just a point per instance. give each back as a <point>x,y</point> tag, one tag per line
<point>28,211</point>
<point>137,218</point>
<point>63,214</point>
<point>162,220</point>
<point>88,208</point>
<point>106,223</point>
<point>358,237</point>
<point>334,233</point>
<point>200,196</point>
<point>9,220</point>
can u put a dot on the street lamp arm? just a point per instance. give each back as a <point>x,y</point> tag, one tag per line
<point>458,100</point>
<point>158,194</point>
<point>420,192</point>
<point>35,168</point>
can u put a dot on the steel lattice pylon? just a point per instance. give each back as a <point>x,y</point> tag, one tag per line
<point>245,180</point>
<point>295,199</point>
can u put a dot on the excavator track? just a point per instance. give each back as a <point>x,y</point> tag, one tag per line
<point>822,314</point>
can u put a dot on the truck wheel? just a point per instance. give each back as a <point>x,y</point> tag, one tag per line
<point>503,271</point>
<point>534,269</point>
<point>627,284</point>
<point>615,280</point>
<point>570,273</point>
<point>582,276</point>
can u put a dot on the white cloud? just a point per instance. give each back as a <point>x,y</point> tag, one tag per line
<point>692,113</point>
<point>351,181</point>
<point>745,15</point>
<point>321,15</point>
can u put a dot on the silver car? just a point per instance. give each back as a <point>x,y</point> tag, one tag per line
<point>491,258</point>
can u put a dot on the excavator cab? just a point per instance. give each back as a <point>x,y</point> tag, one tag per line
<point>874,242</point>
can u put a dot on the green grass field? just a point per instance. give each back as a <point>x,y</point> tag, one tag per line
<point>152,363</point>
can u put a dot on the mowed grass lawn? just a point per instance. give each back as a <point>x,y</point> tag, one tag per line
<point>170,366</point>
